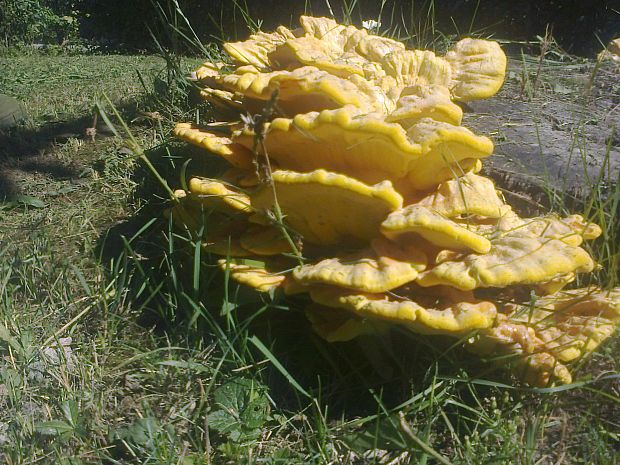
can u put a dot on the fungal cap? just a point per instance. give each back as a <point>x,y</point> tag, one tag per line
<point>265,240</point>
<point>255,50</point>
<point>327,208</point>
<point>517,257</point>
<point>456,318</point>
<point>478,69</point>
<point>433,227</point>
<point>432,101</point>
<point>368,148</point>
<point>254,276</point>
<point>338,326</point>
<point>216,194</point>
<point>467,195</point>
<point>235,154</point>
<point>379,270</point>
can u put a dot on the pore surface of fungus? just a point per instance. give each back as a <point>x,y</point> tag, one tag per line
<point>335,325</point>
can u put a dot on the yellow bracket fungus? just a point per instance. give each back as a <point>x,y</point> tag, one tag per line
<point>478,69</point>
<point>341,208</point>
<point>300,90</point>
<point>254,276</point>
<point>352,180</point>
<point>222,99</point>
<point>433,227</point>
<point>368,148</point>
<point>264,240</point>
<point>255,50</point>
<point>453,318</point>
<point>468,195</point>
<point>514,258</point>
<point>215,194</point>
<point>380,268</point>
<point>552,331</point>
<point>235,154</point>
<point>417,102</point>
<point>339,326</point>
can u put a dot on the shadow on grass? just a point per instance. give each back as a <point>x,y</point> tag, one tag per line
<point>168,159</point>
<point>26,150</point>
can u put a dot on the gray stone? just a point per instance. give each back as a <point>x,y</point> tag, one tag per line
<point>11,111</point>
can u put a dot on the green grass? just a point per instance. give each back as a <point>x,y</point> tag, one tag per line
<point>61,88</point>
<point>170,363</point>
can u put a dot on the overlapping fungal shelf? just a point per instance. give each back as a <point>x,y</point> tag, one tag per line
<point>359,187</point>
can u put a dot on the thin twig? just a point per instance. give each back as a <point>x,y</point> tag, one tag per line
<point>263,167</point>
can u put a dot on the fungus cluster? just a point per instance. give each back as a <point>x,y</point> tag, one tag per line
<point>352,180</point>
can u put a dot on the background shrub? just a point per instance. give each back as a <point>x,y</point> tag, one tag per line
<point>38,21</point>
<point>579,26</point>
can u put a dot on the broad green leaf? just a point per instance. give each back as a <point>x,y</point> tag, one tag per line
<point>188,365</point>
<point>71,412</point>
<point>223,422</point>
<point>256,413</point>
<point>242,409</point>
<point>53,428</point>
<point>143,433</point>
<point>5,335</point>
<point>30,201</point>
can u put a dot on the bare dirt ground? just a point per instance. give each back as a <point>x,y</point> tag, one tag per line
<point>557,127</point>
